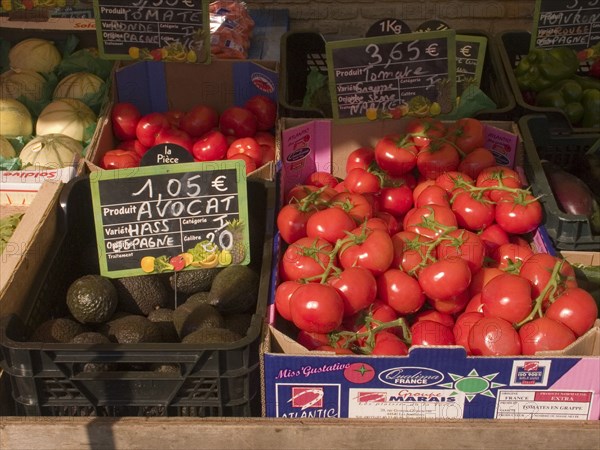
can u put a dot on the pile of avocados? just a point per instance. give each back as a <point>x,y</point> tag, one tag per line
<point>203,306</point>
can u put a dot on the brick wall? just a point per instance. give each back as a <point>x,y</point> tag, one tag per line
<point>353,17</point>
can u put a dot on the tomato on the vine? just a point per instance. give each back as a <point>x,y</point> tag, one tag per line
<point>387,343</point>
<point>291,221</point>
<point>465,244</point>
<point>361,181</point>
<point>283,292</point>
<point>357,205</point>
<point>437,158</point>
<point>432,195</point>
<point>428,332</point>
<point>370,248</point>
<point>430,221</point>
<point>306,258</point>
<point>538,270</point>
<point>477,160</point>
<point>423,130</point>
<point>445,278</point>
<point>396,201</point>
<point>518,213</point>
<point>462,328</point>
<point>320,179</point>
<point>401,291</point>
<point>507,296</point>
<point>411,251</point>
<point>494,336</point>
<point>361,158</point>
<point>467,133</point>
<point>357,287</point>
<point>473,212</point>
<point>395,154</point>
<point>544,334</point>
<point>316,307</point>
<point>330,224</point>
<point>575,308</point>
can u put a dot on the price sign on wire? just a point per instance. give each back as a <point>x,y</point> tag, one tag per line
<point>392,76</point>
<point>170,217</point>
<point>158,30</point>
<point>566,23</point>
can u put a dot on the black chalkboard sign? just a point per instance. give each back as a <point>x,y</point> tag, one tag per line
<point>159,30</point>
<point>392,76</point>
<point>566,23</point>
<point>470,58</point>
<point>170,217</point>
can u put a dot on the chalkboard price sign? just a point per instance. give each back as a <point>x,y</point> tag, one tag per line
<point>159,30</point>
<point>170,217</point>
<point>566,23</point>
<point>470,58</point>
<point>392,76</point>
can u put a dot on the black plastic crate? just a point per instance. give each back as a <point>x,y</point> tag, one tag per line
<point>567,231</point>
<point>513,46</point>
<point>210,381</point>
<point>302,51</point>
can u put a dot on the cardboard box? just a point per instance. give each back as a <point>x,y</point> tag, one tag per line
<point>25,253</point>
<point>431,383</point>
<point>159,86</point>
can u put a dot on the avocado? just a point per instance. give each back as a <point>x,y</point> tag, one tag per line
<point>92,299</point>
<point>134,329</point>
<point>235,289</point>
<point>163,317</point>
<point>141,294</point>
<point>240,322</point>
<point>199,298</point>
<point>90,337</point>
<point>189,318</point>
<point>211,336</point>
<point>62,330</point>
<point>189,282</point>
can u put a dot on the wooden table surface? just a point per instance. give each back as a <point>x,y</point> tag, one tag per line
<point>261,433</point>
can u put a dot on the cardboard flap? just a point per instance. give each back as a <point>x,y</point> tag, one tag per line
<point>143,84</point>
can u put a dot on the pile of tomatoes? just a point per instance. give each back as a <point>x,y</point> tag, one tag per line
<point>239,132</point>
<point>424,242</point>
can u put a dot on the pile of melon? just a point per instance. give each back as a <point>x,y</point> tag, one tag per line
<point>46,117</point>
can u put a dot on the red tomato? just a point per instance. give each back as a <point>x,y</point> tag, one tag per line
<point>134,145</point>
<point>238,122</point>
<point>428,332</point>
<point>451,305</point>
<point>149,126</point>
<point>498,176</point>
<point>574,308</point>
<point>396,201</point>
<point>356,286</point>
<point>493,336</point>
<point>395,154</point>
<point>453,180</point>
<point>265,111</point>
<point>360,158</point>
<point>267,144</point>
<point>422,130</point>
<point>211,146</point>
<point>283,292</point>
<point>174,136</point>
<point>420,187</point>
<point>544,334</point>
<point>361,181</point>
<point>481,278</point>
<point>371,249</point>
<point>199,120</point>
<point>377,223</point>
<point>401,291</point>
<point>246,146</point>
<point>393,226</point>
<point>320,179</point>
<point>472,211</point>
<point>330,224</point>
<point>445,278</point>
<point>432,195</point>
<point>291,222</point>
<point>319,198</point>
<point>510,257</point>
<point>316,308</point>
<point>387,343</point>
<point>357,205</point>
<point>250,163</point>
<point>518,214</point>
<point>493,237</point>
<point>538,270</point>
<point>463,326</point>
<point>124,118</point>
<point>120,159</point>
<point>311,340</point>
<point>430,221</point>
<point>465,244</point>
<point>174,117</point>
<point>467,133</point>
<point>435,316</point>
<point>305,258</point>
<point>411,251</point>
<point>479,159</point>
<point>437,158</point>
<point>474,304</point>
<point>507,296</point>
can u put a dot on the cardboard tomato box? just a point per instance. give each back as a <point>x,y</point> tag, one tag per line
<point>155,86</point>
<point>431,383</point>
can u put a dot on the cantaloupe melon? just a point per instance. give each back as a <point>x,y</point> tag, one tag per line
<point>78,85</point>
<point>67,116</point>
<point>15,118</point>
<point>39,55</point>
<point>22,82</point>
<point>52,151</point>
